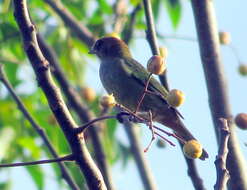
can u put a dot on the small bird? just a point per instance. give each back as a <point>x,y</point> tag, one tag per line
<point>125,78</point>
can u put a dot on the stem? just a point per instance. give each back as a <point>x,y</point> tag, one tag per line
<point>65,173</point>
<point>61,159</point>
<point>217,88</point>
<point>40,65</point>
<point>220,162</point>
<point>88,124</point>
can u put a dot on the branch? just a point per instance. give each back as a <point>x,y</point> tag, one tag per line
<point>217,87</point>
<point>220,162</point>
<point>142,164</point>
<point>151,35</point>
<point>90,123</point>
<point>40,65</point>
<point>80,30</point>
<point>129,28</point>
<point>82,111</point>
<point>152,38</point>
<point>65,173</point>
<point>57,160</point>
<point>193,172</point>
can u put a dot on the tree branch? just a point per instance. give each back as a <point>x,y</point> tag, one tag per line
<point>80,30</point>
<point>220,162</point>
<point>142,165</point>
<point>40,65</point>
<point>81,109</point>
<point>151,36</point>
<point>55,160</point>
<point>217,87</point>
<point>65,173</point>
<point>129,28</point>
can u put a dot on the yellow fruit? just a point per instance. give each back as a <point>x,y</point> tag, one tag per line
<point>192,149</point>
<point>113,34</point>
<point>241,120</point>
<point>163,52</point>
<point>88,94</point>
<point>175,98</point>
<point>156,65</point>
<point>242,69</point>
<point>225,38</point>
<point>108,101</point>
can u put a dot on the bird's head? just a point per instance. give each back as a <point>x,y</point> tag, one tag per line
<point>110,47</point>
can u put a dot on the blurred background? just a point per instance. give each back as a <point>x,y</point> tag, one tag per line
<point>176,31</point>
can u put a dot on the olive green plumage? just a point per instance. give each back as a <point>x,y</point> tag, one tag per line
<point>123,76</point>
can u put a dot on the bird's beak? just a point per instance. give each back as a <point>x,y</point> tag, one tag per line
<point>92,51</point>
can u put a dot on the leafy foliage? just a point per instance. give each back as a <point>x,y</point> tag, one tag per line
<point>20,141</point>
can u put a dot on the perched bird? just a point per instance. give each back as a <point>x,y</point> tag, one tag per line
<point>125,78</point>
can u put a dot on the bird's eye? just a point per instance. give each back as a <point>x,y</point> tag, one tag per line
<point>98,44</point>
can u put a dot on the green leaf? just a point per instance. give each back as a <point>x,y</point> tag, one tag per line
<point>156,8</point>
<point>11,72</point>
<point>29,144</point>
<point>7,135</point>
<point>174,9</point>
<point>37,175</point>
<point>105,7</point>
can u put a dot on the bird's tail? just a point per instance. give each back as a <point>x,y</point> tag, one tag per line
<point>182,132</point>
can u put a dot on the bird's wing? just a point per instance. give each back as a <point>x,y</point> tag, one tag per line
<point>140,74</point>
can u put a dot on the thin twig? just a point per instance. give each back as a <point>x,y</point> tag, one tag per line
<point>220,162</point>
<point>65,173</point>
<point>129,28</point>
<point>67,158</point>
<point>90,123</point>
<point>143,93</point>
<point>152,130</point>
<point>207,31</point>
<point>40,65</point>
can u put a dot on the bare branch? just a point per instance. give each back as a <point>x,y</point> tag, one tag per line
<point>220,162</point>
<point>207,32</point>
<point>90,123</point>
<point>65,173</point>
<point>144,170</point>
<point>40,65</point>
<point>129,28</point>
<point>55,160</point>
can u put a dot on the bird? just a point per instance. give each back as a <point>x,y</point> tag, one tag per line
<point>125,78</point>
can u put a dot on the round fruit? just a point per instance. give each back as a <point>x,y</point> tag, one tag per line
<point>88,94</point>
<point>241,120</point>
<point>156,65</point>
<point>192,149</point>
<point>225,38</point>
<point>175,98</point>
<point>108,101</point>
<point>242,69</point>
